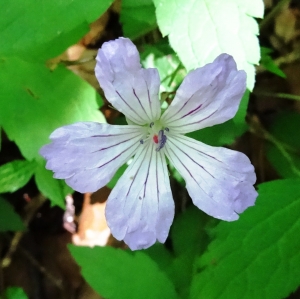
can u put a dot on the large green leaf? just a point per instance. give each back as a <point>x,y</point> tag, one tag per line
<point>9,219</point>
<point>15,175</point>
<point>284,153</point>
<point>118,274</point>
<point>37,100</point>
<point>138,17</point>
<point>201,30</point>
<point>257,256</point>
<point>44,29</point>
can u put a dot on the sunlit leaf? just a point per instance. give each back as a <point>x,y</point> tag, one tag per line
<point>9,219</point>
<point>137,17</point>
<point>44,29</point>
<point>257,256</point>
<point>16,174</point>
<point>118,274</point>
<point>201,30</point>
<point>38,100</point>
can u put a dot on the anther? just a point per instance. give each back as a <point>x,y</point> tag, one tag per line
<point>151,124</point>
<point>167,129</point>
<point>141,141</point>
<point>162,139</point>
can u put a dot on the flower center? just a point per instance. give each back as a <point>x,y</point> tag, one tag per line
<point>155,138</point>
<point>156,132</point>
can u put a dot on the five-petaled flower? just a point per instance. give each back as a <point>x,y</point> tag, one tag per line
<point>140,208</point>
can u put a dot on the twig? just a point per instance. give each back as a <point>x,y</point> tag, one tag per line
<point>278,95</point>
<point>30,210</point>
<point>257,129</point>
<point>42,269</point>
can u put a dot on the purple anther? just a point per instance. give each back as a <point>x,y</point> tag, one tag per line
<point>162,139</point>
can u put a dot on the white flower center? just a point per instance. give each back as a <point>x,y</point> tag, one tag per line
<point>157,133</point>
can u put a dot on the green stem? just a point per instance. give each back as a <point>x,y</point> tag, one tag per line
<point>174,74</point>
<point>279,95</point>
<point>283,148</point>
<point>270,16</point>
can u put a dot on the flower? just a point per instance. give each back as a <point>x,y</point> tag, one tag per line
<point>140,208</point>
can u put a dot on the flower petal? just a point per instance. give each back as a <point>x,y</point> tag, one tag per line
<point>87,154</point>
<point>129,88</point>
<point>219,181</point>
<point>207,96</point>
<point>140,208</point>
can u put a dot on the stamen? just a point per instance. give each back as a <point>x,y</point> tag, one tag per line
<point>151,124</point>
<point>141,141</point>
<point>162,139</point>
<point>167,129</point>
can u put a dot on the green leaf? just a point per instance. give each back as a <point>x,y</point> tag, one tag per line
<point>258,255</point>
<point>15,293</point>
<point>187,233</point>
<point>9,219</point>
<point>44,29</point>
<point>267,61</point>
<point>201,30</point>
<point>118,274</point>
<point>285,153</point>
<point>55,190</point>
<point>38,100</point>
<point>138,17</point>
<point>16,174</point>
<point>189,239</point>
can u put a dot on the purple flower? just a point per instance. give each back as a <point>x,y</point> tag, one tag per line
<point>140,208</point>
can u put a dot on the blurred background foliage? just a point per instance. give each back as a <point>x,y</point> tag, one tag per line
<point>55,243</point>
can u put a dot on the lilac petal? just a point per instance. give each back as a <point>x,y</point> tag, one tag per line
<point>129,88</point>
<point>87,154</point>
<point>207,96</point>
<point>140,208</point>
<point>219,181</point>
